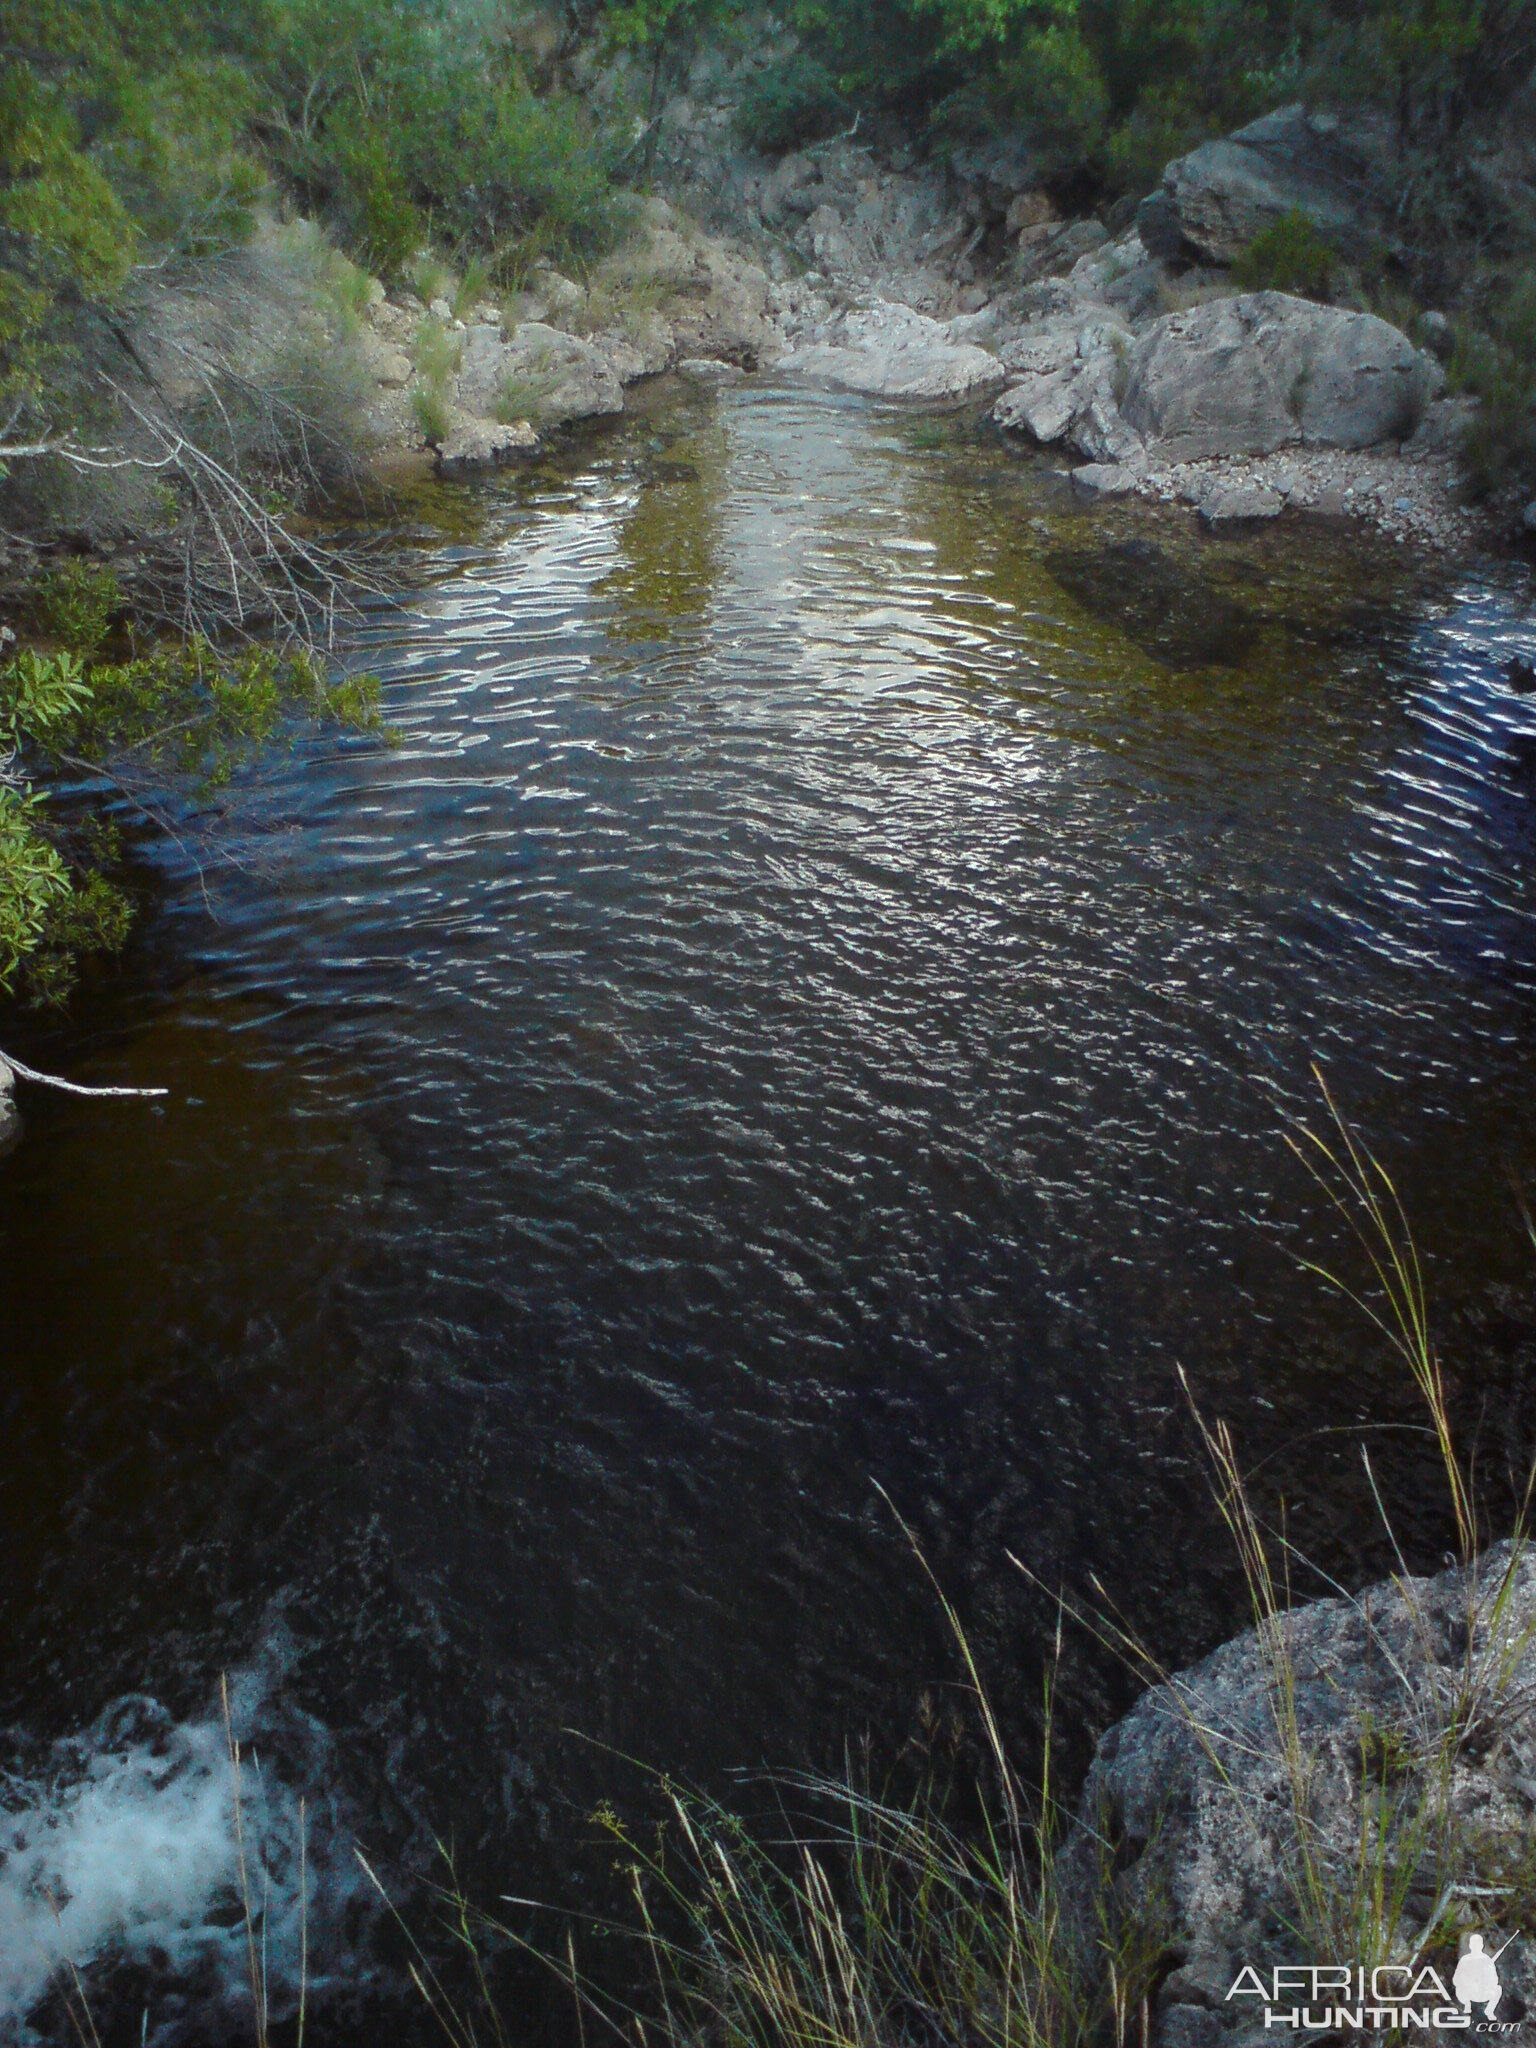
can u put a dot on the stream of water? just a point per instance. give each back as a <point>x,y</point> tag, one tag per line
<point>808,1005</point>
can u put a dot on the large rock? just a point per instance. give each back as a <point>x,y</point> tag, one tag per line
<point>643,347</point>
<point>473,444</point>
<point>10,1115</point>
<point>1247,375</point>
<point>1238,504</point>
<point>1195,1800</point>
<point>889,351</point>
<point>543,374</point>
<point>992,175</point>
<point>1213,202</point>
<point>717,299</point>
<point>1068,372</point>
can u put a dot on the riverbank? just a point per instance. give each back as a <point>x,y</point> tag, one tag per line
<point>1134,346</point>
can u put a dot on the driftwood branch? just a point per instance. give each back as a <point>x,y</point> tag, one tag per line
<point>22,1073</point>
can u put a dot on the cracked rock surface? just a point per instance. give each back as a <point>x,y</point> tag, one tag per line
<point>1415,1718</point>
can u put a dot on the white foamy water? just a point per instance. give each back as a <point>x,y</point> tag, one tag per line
<point>119,1847</point>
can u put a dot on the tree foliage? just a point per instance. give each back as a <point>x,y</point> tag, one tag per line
<point>1113,88</point>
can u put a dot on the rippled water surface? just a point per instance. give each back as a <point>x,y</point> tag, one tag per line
<point>809,1001</point>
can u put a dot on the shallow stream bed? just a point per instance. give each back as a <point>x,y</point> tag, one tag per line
<point>811,1002</point>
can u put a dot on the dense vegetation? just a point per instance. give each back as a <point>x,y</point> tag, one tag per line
<point>1110,89</point>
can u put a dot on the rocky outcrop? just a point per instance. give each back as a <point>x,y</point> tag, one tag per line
<point>1233,378</point>
<point>890,351</point>
<point>1212,203</point>
<point>1415,1741</point>
<point>1247,375</point>
<point>718,305</point>
<point>561,353</point>
<point>10,1115</point>
<point>1069,370</point>
<point>540,373</point>
<point>472,444</point>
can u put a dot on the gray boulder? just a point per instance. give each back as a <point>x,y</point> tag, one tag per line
<point>890,351</point>
<point>1097,480</point>
<point>1248,375</point>
<point>644,347</point>
<point>10,1115</point>
<point>550,377</point>
<point>1043,406</point>
<point>1198,1801</point>
<point>473,444</point>
<point>1069,371</point>
<point>1213,202</point>
<point>1052,248</point>
<point>1239,504</point>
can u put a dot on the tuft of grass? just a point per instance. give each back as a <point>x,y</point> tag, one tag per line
<point>522,398</point>
<point>430,278</point>
<point>429,408</point>
<point>437,353</point>
<point>474,287</point>
<point>872,1921</point>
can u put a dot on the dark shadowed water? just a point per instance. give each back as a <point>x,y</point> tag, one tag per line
<point>810,1001</point>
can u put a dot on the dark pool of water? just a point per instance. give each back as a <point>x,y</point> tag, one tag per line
<point>809,1002</point>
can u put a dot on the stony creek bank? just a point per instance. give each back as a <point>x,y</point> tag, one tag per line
<point>1124,349</point>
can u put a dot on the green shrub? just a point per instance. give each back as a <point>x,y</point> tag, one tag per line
<point>372,195</point>
<point>1495,363</point>
<point>791,103</point>
<point>1290,256</point>
<point>75,604</point>
<point>34,882</point>
<point>1048,87</point>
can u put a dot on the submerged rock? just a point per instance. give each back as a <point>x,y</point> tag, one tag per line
<point>1107,479</point>
<point>1234,504</point>
<point>1196,1795</point>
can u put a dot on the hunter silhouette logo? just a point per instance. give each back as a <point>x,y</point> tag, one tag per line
<point>1398,1998</point>
<point>1476,1981</point>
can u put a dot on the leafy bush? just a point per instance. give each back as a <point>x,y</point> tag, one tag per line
<point>1290,256</point>
<point>34,883</point>
<point>181,715</point>
<point>793,102</point>
<point>397,113</point>
<point>75,604</point>
<point>371,195</point>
